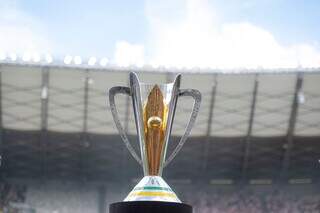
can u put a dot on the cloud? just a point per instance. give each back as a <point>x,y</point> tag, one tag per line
<point>180,33</point>
<point>194,37</point>
<point>19,32</point>
<point>128,54</point>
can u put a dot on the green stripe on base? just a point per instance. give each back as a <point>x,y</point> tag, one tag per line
<point>152,188</point>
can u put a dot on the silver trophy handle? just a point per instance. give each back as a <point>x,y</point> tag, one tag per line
<point>112,93</point>
<point>196,95</point>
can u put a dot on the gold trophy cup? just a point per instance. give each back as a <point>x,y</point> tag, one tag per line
<point>154,108</point>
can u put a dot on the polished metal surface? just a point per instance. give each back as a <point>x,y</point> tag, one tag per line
<point>137,92</point>
<point>196,95</point>
<point>112,92</point>
<point>154,107</point>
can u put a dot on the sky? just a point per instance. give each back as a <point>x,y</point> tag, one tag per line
<point>173,33</point>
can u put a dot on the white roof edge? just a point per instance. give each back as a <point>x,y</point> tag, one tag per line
<point>149,68</point>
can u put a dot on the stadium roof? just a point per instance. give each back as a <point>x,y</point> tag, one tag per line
<point>56,123</point>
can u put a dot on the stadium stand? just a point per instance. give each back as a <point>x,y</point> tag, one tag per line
<point>255,146</point>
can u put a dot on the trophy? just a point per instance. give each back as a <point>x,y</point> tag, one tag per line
<point>154,109</point>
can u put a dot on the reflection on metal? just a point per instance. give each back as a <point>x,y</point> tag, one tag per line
<point>154,113</point>
<point>195,94</point>
<point>291,126</point>
<point>112,93</point>
<point>127,114</point>
<point>154,108</point>
<point>124,156</point>
<point>251,120</point>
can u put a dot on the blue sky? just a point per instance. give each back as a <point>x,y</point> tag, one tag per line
<point>217,33</point>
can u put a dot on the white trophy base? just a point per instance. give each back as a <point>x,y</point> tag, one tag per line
<point>152,188</point>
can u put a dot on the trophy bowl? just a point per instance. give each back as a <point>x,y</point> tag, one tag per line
<point>154,108</point>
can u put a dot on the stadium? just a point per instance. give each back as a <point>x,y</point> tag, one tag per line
<point>254,147</point>
<point>159,106</point>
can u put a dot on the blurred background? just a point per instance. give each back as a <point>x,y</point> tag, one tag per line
<point>256,143</point>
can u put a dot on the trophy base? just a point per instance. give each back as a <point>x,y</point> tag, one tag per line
<point>152,188</point>
<point>149,206</point>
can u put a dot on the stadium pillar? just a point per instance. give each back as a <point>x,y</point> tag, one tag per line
<point>44,118</point>
<point>1,130</point>
<point>84,136</point>
<point>210,119</point>
<point>250,125</point>
<point>291,127</point>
